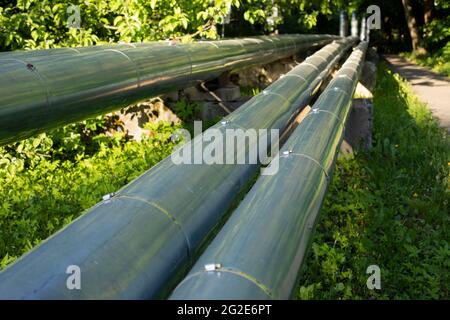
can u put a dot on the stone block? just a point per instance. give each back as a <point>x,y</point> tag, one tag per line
<point>368,75</point>
<point>228,93</point>
<point>358,131</point>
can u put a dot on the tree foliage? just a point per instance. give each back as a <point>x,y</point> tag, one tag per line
<point>32,24</point>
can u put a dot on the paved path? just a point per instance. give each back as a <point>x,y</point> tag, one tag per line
<point>432,88</point>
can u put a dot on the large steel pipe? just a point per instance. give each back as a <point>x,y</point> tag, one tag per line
<point>140,242</point>
<point>44,89</point>
<point>259,251</point>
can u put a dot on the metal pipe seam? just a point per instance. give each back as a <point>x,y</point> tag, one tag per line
<point>266,93</point>
<point>163,211</point>
<point>312,66</point>
<point>326,72</point>
<point>38,75</point>
<point>317,110</point>
<point>139,252</point>
<point>138,77</point>
<point>267,236</point>
<point>323,59</point>
<point>189,76</point>
<point>325,160</point>
<point>312,159</point>
<point>293,75</point>
<point>234,272</point>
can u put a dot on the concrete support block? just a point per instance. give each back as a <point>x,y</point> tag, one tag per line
<point>134,118</point>
<point>263,75</point>
<point>368,75</point>
<point>170,96</point>
<point>358,132</point>
<point>217,102</point>
<point>210,109</point>
<point>195,94</point>
<point>372,55</point>
<point>228,93</point>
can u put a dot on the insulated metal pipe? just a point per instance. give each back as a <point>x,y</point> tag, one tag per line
<point>259,251</point>
<point>139,242</point>
<point>44,89</point>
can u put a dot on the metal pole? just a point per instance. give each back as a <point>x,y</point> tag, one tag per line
<point>40,90</point>
<point>363,35</point>
<point>138,243</point>
<point>343,24</point>
<point>259,251</point>
<point>354,25</point>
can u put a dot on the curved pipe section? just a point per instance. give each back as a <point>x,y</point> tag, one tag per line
<point>139,243</point>
<point>259,251</point>
<point>44,89</point>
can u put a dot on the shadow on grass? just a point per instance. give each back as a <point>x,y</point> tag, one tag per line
<point>438,63</point>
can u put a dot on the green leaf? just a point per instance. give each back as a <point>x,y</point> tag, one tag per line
<point>34,35</point>
<point>36,142</point>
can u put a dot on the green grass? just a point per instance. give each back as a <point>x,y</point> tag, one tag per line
<point>439,61</point>
<point>389,207</point>
<point>49,180</point>
<point>249,91</point>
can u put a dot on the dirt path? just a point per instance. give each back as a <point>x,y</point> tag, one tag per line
<point>432,88</point>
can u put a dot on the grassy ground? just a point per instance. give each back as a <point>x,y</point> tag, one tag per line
<point>388,207</point>
<point>439,62</point>
<point>48,180</point>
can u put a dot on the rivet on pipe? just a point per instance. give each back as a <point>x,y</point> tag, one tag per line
<point>212,266</point>
<point>286,153</point>
<point>107,197</point>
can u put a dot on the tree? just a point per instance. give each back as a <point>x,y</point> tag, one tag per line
<point>428,11</point>
<point>412,26</point>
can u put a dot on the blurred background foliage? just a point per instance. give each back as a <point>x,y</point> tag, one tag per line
<point>32,24</point>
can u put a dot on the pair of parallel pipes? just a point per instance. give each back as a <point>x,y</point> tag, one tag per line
<point>261,248</point>
<point>139,243</point>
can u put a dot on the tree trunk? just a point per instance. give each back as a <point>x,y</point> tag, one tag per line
<point>412,26</point>
<point>428,11</point>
